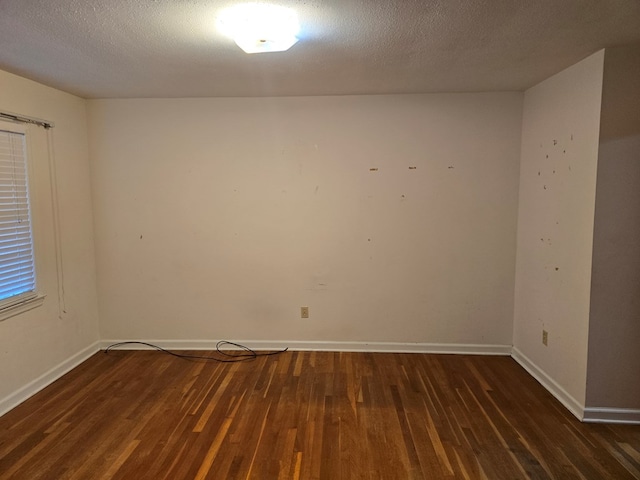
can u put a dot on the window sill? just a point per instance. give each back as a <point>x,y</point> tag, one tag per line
<point>24,306</point>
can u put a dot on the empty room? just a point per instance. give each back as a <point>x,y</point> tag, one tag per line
<point>323,239</point>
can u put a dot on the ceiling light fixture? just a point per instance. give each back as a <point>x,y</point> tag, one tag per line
<point>260,27</point>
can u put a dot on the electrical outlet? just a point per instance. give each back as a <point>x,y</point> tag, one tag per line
<point>304,312</point>
<point>545,337</point>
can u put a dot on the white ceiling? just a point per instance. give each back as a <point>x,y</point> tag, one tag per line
<point>170,48</point>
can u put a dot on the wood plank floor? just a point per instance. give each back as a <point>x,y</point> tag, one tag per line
<point>306,415</point>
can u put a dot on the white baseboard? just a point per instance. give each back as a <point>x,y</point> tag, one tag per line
<point>391,347</point>
<point>573,405</point>
<point>612,415</point>
<point>590,415</point>
<point>16,398</point>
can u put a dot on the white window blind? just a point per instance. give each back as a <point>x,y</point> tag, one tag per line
<point>17,269</point>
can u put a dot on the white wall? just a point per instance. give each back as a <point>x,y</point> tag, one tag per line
<point>392,217</point>
<point>555,224</point>
<point>614,334</point>
<point>33,343</point>
<point>219,218</point>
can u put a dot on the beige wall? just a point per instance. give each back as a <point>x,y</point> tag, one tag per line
<point>555,223</point>
<point>219,218</point>
<point>392,217</point>
<point>614,334</point>
<point>36,341</point>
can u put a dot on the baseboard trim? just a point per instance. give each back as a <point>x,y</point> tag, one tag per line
<point>16,398</point>
<point>627,416</point>
<point>587,415</point>
<point>390,347</point>
<point>573,405</point>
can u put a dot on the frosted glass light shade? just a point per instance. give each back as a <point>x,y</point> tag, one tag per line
<point>260,27</point>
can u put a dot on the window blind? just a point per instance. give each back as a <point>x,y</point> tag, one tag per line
<point>17,269</point>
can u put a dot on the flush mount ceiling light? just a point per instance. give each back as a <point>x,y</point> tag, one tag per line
<point>260,27</point>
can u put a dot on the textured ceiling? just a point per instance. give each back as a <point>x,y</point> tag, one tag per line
<point>170,48</point>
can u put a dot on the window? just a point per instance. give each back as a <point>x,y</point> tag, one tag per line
<point>17,266</point>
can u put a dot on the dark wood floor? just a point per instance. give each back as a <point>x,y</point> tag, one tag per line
<point>306,415</point>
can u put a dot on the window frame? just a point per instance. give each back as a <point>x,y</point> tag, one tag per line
<point>25,301</point>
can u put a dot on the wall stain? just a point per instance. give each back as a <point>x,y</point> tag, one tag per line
<point>373,169</point>
<point>412,168</point>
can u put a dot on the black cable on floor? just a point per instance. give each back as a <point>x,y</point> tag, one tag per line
<point>248,354</point>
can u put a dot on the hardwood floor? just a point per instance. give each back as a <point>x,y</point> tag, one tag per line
<point>306,415</point>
